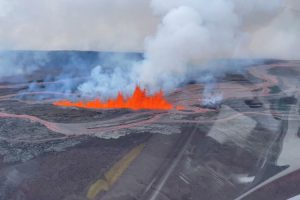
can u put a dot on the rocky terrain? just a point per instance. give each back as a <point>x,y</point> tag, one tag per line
<point>242,146</point>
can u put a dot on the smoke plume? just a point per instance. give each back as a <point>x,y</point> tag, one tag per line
<point>195,31</point>
<point>180,39</point>
<point>190,34</point>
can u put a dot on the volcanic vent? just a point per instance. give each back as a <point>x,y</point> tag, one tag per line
<point>137,101</point>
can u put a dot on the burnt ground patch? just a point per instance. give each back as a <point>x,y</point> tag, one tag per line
<point>69,173</point>
<point>285,71</point>
<point>253,103</point>
<point>283,103</point>
<point>53,113</point>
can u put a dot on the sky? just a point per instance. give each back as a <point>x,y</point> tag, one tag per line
<point>117,25</point>
<point>180,39</point>
<point>123,25</point>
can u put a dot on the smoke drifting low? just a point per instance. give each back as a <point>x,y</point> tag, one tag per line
<point>20,64</point>
<point>179,38</point>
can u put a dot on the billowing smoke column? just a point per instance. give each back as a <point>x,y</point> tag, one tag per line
<point>190,33</point>
<point>186,34</point>
<point>195,31</point>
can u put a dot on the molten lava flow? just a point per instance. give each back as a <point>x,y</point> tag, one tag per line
<point>138,100</point>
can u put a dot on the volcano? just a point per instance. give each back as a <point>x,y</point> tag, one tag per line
<point>142,145</point>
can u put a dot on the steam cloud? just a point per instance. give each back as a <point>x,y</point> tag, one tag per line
<point>192,32</point>
<point>197,30</point>
<point>189,34</point>
<point>211,97</point>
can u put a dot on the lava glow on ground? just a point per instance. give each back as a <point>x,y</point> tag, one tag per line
<point>139,100</point>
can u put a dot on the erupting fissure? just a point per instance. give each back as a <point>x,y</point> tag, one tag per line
<point>137,101</point>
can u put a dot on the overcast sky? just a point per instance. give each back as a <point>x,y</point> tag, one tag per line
<point>119,25</point>
<point>75,24</point>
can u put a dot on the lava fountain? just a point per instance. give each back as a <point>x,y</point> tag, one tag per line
<point>139,100</point>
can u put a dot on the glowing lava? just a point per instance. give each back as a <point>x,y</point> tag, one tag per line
<point>139,100</point>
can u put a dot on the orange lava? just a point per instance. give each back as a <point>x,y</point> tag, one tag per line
<point>137,101</point>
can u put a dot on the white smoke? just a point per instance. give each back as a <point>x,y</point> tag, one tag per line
<point>108,83</point>
<point>212,100</point>
<point>189,33</point>
<point>211,97</point>
<point>194,31</point>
